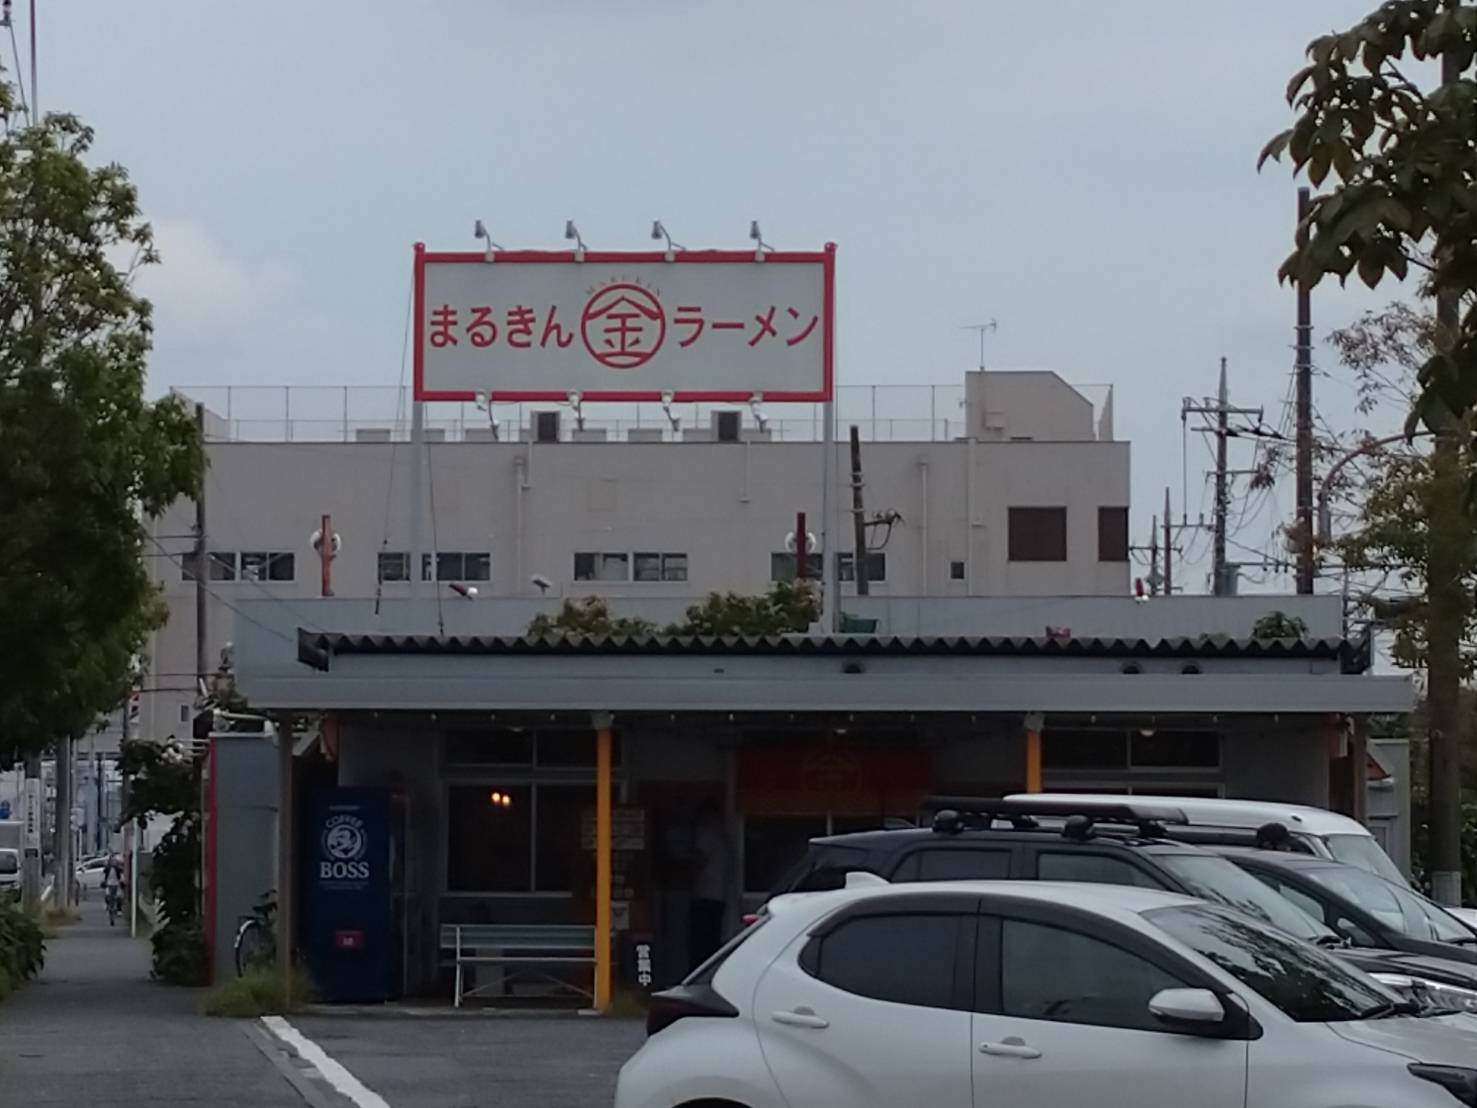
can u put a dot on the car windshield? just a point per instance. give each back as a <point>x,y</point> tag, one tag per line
<point>9,861</point>
<point>1362,851</point>
<point>1398,907</point>
<point>1222,882</point>
<point>1306,984</point>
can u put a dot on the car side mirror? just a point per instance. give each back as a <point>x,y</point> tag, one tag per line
<point>1189,1009</point>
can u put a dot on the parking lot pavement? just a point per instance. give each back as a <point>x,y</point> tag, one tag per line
<point>472,1062</point>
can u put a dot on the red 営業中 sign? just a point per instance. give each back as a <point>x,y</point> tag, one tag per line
<point>698,325</point>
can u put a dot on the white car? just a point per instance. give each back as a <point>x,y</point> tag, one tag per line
<point>1036,995</point>
<point>90,873</point>
<point>1315,831</point>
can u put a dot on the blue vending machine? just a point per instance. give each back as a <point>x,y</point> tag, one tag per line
<point>351,872</point>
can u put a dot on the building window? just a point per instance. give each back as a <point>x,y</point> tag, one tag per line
<point>1038,534</point>
<point>782,567</point>
<point>876,566</point>
<point>267,566</point>
<point>592,565</point>
<point>394,565</point>
<point>456,565</point>
<point>956,571</point>
<point>256,565</point>
<point>660,567</point>
<point>516,816</point>
<point>1112,534</point>
<point>1136,751</point>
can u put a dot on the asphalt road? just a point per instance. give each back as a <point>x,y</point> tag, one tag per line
<point>481,1062</point>
<point>94,1031</point>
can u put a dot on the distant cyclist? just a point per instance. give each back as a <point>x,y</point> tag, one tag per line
<point>113,883</point>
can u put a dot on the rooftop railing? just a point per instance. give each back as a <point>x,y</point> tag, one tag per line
<point>372,413</point>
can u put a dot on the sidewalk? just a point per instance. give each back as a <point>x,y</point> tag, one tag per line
<point>94,1030</point>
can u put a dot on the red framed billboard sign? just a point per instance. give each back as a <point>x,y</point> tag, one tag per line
<point>710,325</point>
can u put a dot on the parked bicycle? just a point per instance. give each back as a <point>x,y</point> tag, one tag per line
<point>256,937</point>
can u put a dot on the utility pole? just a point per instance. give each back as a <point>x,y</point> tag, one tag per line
<point>1304,375</point>
<point>31,796</point>
<point>202,566</point>
<point>1446,605</point>
<point>61,850</point>
<point>1154,557</point>
<point>858,516</point>
<point>1222,574</point>
<point>1168,549</point>
<point>1222,487</point>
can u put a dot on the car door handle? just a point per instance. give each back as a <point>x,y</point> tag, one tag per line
<point>801,1017</point>
<point>1010,1048</point>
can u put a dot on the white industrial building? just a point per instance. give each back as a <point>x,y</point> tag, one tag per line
<point>1011,486</point>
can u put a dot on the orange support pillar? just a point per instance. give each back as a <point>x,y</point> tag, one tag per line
<point>1033,752</point>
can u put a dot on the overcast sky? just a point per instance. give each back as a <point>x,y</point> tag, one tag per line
<point>1083,173</point>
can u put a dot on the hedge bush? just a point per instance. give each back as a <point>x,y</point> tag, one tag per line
<point>22,947</point>
<point>179,953</point>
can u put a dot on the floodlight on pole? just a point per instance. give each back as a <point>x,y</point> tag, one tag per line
<point>760,246</point>
<point>479,232</point>
<point>659,231</point>
<point>756,411</point>
<point>672,418</point>
<point>572,233</point>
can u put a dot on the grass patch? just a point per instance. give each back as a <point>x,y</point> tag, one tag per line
<point>259,993</point>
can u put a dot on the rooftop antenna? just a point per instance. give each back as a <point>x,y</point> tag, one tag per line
<point>982,329</point>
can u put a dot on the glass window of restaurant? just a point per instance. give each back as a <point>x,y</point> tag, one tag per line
<point>515,801</point>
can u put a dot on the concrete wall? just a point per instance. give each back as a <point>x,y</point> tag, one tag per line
<point>1030,405</point>
<point>1282,761</point>
<point>728,507</point>
<point>245,837</point>
<point>1389,800</point>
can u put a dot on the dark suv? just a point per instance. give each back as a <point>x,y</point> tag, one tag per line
<point>973,839</point>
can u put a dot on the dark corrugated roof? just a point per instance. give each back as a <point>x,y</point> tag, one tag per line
<point>316,648</point>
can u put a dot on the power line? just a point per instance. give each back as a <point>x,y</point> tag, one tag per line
<point>179,561</point>
<point>379,584</point>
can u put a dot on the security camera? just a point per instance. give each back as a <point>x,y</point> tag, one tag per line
<point>540,582</point>
<point>754,230</point>
<point>657,231</point>
<point>667,398</point>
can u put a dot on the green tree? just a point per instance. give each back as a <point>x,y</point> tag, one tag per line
<point>1401,156</point>
<point>1391,484</point>
<point>164,782</point>
<point>789,607</point>
<point>83,455</point>
<point>1279,625</point>
<point>1401,163</point>
<point>589,616</point>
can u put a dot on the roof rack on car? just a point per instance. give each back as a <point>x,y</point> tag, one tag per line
<point>953,814</point>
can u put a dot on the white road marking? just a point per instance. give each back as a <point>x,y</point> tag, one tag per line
<point>335,1074</point>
